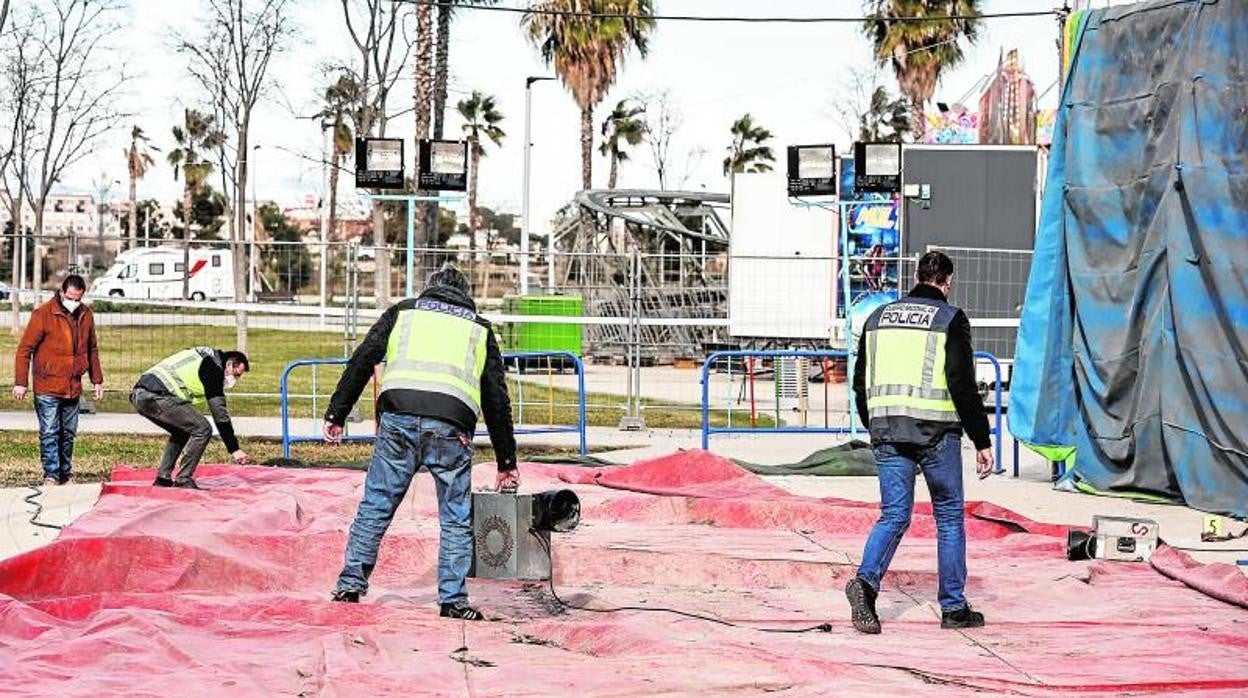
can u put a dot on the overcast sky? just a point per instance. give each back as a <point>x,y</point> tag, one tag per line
<point>788,76</point>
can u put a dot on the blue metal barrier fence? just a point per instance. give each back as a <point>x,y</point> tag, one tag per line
<point>508,357</point>
<point>711,359</point>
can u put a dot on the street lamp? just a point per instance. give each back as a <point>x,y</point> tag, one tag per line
<point>524,215</point>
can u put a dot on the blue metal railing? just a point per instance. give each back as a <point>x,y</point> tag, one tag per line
<point>711,359</point>
<point>579,428</point>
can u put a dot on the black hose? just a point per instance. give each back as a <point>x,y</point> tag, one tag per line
<point>32,499</point>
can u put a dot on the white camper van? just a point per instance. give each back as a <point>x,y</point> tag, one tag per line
<point>157,273</point>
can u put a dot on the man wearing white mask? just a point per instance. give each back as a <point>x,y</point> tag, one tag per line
<point>60,342</point>
<point>168,394</point>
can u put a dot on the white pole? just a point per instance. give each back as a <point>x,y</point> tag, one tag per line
<point>526,228</point>
<point>524,215</point>
<point>324,222</point>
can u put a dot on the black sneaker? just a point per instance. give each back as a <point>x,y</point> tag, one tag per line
<point>462,611</point>
<point>187,484</point>
<point>346,596</point>
<point>862,606</point>
<point>962,618</point>
<point>163,482</point>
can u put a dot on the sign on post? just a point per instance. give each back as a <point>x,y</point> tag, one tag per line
<point>443,165</point>
<point>379,163</point>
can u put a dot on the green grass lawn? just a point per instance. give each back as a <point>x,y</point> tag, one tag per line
<point>95,455</point>
<point>126,352</point>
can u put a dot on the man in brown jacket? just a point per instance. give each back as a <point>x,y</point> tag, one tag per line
<point>60,340</point>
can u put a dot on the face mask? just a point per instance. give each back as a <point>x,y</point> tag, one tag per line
<point>71,306</point>
<point>230,381</point>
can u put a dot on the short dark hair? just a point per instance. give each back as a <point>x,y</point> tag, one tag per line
<point>237,356</point>
<point>74,281</point>
<point>935,268</point>
<point>450,275</point>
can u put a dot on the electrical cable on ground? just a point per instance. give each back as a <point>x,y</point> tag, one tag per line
<point>723,19</point>
<point>822,627</point>
<point>32,499</point>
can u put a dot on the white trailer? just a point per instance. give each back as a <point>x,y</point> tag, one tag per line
<point>158,272</point>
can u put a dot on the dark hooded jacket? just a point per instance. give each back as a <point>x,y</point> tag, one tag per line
<point>495,402</point>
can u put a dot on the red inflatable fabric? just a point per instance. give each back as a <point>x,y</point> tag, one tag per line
<point>224,592</point>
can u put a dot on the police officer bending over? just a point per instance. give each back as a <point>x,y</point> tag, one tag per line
<point>168,395</point>
<point>443,369</point>
<point>915,389</point>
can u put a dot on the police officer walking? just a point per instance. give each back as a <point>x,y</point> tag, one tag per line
<point>443,370</point>
<point>170,392</point>
<point>914,386</point>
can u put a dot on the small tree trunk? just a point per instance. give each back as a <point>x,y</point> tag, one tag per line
<point>587,147</point>
<point>19,268</point>
<point>186,238</point>
<point>920,121</point>
<point>134,212</point>
<point>333,195</point>
<point>472,209</point>
<point>615,167</point>
<point>441,69</point>
<point>239,247</point>
<point>36,277</point>
<point>423,105</point>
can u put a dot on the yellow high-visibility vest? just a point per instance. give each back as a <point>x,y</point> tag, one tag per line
<point>439,348</point>
<point>906,361</point>
<point>180,373</point>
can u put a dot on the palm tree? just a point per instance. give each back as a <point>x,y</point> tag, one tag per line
<point>340,98</point>
<point>481,118</point>
<point>138,162</point>
<point>886,119</point>
<point>920,51</point>
<point>620,128</point>
<point>197,136</point>
<point>747,152</point>
<point>586,52</point>
<point>442,59</point>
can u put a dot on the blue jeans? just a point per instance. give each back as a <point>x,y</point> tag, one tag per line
<point>58,424</point>
<point>404,444</point>
<point>941,464</point>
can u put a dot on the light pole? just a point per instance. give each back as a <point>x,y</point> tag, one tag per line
<point>524,215</point>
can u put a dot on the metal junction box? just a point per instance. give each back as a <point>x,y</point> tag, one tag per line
<point>1124,539</point>
<point>504,544</point>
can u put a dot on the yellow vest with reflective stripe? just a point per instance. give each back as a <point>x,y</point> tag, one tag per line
<point>906,362</point>
<point>180,373</point>
<point>439,352</point>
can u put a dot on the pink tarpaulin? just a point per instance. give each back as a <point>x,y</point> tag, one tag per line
<point>175,592</point>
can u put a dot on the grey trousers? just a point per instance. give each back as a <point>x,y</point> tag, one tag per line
<point>189,431</point>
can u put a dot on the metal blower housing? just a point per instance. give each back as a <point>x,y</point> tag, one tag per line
<point>511,532</point>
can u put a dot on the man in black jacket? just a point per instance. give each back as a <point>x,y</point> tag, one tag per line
<point>914,387</point>
<point>443,370</point>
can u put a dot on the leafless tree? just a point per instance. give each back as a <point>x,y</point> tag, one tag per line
<point>663,120</point>
<point>82,82</point>
<point>231,61</point>
<point>866,111</point>
<point>376,28</point>
<point>22,92</point>
<point>4,14</point>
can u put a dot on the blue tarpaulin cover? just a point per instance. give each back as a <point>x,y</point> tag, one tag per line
<point>1133,343</point>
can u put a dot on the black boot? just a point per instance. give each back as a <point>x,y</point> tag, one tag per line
<point>163,482</point>
<point>460,610</point>
<point>862,606</point>
<point>187,484</point>
<point>962,618</point>
<point>345,596</point>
